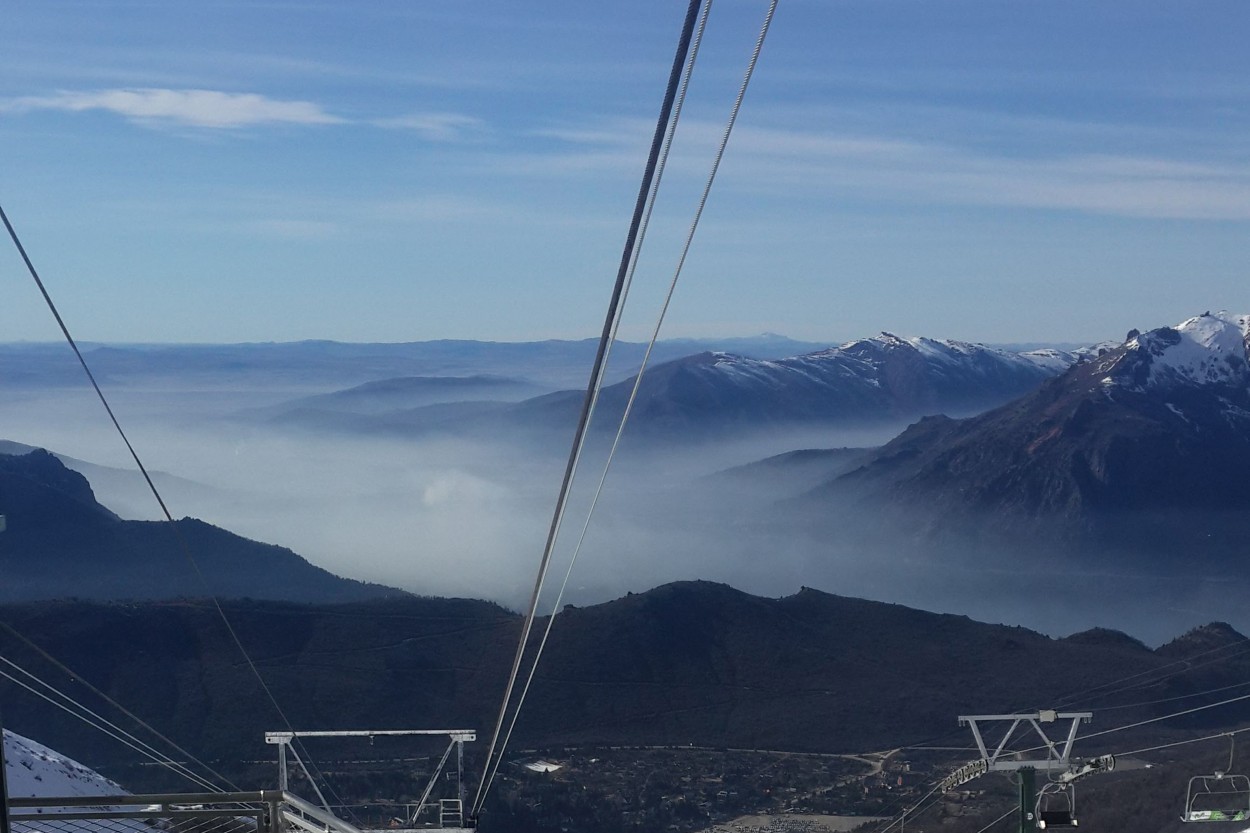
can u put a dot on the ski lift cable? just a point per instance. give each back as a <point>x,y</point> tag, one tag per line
<point>1188,667</point>
<point>1147,722</point>
<point>655,335</point>
<point>1184,743</point>
<point>1159,719</point>
<point>736,109</point>
<point>116,736</point>
<point>151,750</point>
<point>642,234</point>
<point>650,347</point>
<point>83,682</point>
<point>1173,699</point>
<point>1187,664</point>
<point>596,374</point>
<point>169,519</point>
<point>633,396</point>
<point>997,820</point>
<point>917,808</point>
<point>311,780</point>
<point>1078,696</point>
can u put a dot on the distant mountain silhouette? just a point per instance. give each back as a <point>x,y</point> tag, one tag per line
<point>61,543</point>
<point>711,395</point>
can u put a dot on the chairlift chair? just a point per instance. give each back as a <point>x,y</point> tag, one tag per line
<point>1222,796</point>
<point>1056,806</point>
<point>1218,797</point>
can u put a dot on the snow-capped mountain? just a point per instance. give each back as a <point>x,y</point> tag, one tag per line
<point>1208,349</point>
<point>1141,450</point>
<point>871,380</point>
<point>34,770</point>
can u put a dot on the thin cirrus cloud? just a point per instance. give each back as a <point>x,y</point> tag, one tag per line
<point>187,108</point>
<point>435,127</point>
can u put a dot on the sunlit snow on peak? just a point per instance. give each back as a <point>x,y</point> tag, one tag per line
<point>1206,349</point>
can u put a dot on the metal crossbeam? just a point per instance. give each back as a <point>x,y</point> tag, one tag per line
<point>1058,754</point>
<point>466,735</point>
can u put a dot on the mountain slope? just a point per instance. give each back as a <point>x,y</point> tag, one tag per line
<point>60,542</point>
<point>711,394</point>
<point>691,662</point>
<point>870,380</point>
<point>34,770</point>
<point>1142,450</point>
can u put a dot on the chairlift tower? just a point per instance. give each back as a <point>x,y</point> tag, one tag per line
<point>450,811</point>
<point>1057,759</point>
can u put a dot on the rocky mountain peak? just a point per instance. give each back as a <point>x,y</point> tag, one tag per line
<point>1204,639</point>
<point>1208,349</point>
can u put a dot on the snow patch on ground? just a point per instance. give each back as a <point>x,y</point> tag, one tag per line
<point>34,770</point>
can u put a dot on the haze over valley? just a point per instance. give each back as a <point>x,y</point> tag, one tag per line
<point>433,467</point>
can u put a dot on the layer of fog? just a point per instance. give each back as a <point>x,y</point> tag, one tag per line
<point>469,518</point>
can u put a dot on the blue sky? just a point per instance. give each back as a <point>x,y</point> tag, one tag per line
<point>402,171</point>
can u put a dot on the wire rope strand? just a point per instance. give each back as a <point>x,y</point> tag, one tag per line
<point>1138,724</point>
<point>916,809</point>
<point>83,682</point>
<point>1181,743</point>
<point>156,754</point>
<point>596,375</point>
<point>650,346</point>
<point>997,820</point>
<point>646,223</point>
<point>191,777</point>
<point>633,396</point>
<point>177,532</point>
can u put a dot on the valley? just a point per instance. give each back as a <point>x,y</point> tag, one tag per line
<point>651,679</point>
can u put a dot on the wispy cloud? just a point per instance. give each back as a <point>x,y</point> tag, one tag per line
<point>436,127</point>
<point>1077,174</point>
<point>190,108</point>
<point>1126,185</point>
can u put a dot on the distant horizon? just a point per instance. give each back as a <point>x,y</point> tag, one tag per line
<point>678,339</point>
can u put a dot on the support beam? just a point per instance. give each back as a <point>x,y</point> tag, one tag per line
<point>1057,755</point>
<point>1028,800</point>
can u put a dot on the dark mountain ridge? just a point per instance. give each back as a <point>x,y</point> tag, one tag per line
<point>59,542</point>
<point>686,663</point>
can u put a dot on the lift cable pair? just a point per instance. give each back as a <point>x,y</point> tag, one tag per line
<point>665,127</point>
<point>183,545</point>
<point>101,724</point>
<point>97,692</point>
<point>633,395</point>
<point>929,798</point>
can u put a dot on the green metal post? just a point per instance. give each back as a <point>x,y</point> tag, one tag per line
<point>1028,799</point>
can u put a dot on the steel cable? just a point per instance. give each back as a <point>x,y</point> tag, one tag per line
<point>172,525</point>
<point>596,378</point>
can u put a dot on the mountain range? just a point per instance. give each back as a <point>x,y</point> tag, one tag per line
<point>711,395</point>
<point>1136,456</point>
<point>1112,479</point>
